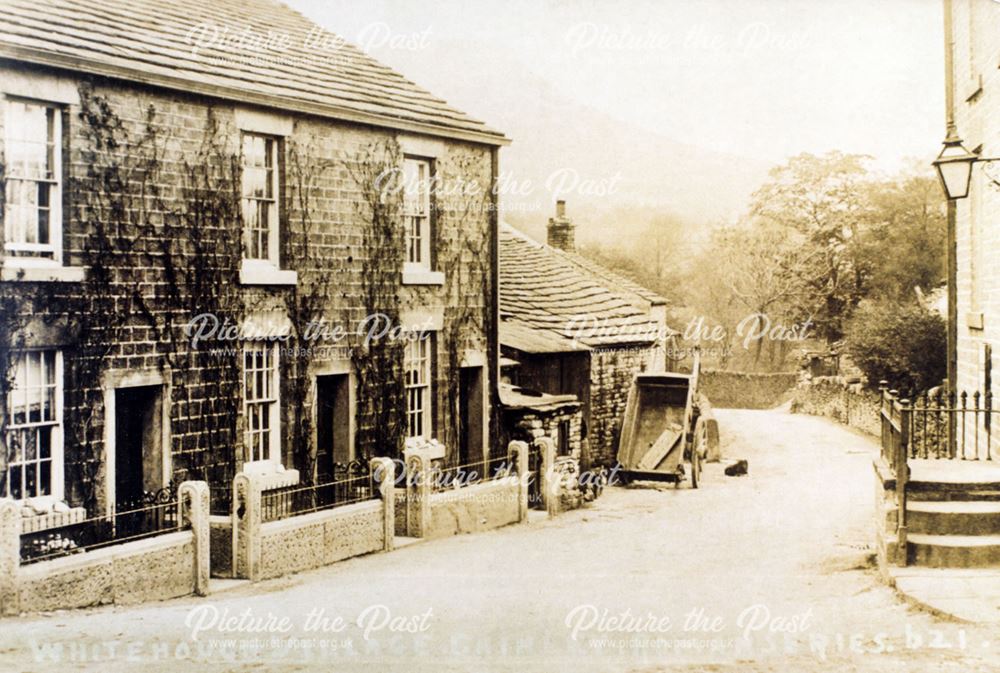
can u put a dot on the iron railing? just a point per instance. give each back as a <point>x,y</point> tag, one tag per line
<point>947,425</point>
<point>476,472</point>
<point>353,482</point>
<point>155,513</point>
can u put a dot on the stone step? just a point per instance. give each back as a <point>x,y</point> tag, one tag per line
<point>953,551</point>
<point>952,491</point>
<point>953,517</point>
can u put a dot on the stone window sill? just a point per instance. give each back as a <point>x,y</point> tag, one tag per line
<point>253,272</point>
<point>42,274</point>
<point>422,277</point>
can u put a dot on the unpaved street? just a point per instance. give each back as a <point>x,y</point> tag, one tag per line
<point>768,572</point>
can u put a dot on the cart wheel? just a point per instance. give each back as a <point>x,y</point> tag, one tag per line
<point>695,467</point>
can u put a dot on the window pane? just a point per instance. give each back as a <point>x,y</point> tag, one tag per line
<point>42,236</point>
<point>46,477</point>
<point>29,135</point>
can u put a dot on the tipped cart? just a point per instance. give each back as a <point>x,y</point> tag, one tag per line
<point>661,429</point>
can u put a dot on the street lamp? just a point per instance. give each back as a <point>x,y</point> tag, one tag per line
<point>954,167</point>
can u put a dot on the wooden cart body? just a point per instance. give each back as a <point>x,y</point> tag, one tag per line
<point>658,433</point>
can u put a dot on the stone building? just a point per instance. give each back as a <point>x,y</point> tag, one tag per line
<point>569,326</point>
<point>972,94</point>
<point>227,251</point>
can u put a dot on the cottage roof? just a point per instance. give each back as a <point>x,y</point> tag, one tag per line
<point>514,397</point>
<point>255,51</point>
<point>554,294</point>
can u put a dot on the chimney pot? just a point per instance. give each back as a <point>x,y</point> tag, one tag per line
<point>561,230</point>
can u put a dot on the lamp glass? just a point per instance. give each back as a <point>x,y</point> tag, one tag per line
<point>955,176</point>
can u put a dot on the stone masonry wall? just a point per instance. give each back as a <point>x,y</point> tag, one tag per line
<point>745,390</point>
<point>832,397</point>
<point>611,373</point>
<point>337,238</point>
<point>527,425</point>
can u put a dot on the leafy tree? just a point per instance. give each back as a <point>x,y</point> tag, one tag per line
<point>903,344</point>
<point>824,200</point>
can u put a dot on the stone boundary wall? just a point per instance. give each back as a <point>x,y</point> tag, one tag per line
<point>746,390</point>
<point>474,508</point>
<point>322,538</point>
<point>849,403</point>
<point>155,568</point>
<point>266,550</point>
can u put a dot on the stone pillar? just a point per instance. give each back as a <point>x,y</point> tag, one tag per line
<point>549,488</point>
<point>517,454</point>
<point>10,556</point>
<point>246,527</point>
<point>384,471</point>
<point>192,497</point>
<point>418,492</point>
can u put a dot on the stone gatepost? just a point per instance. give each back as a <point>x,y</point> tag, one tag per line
<point>192,498</point>
<point>549,488</point>
<point>384,471</point>
<point>10,556</point>
<point>246,527</point>
<point>517,455</point>
<point>418,492</point>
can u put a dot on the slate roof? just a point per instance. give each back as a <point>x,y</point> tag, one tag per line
<point>195,45</point>
<point>514,397</point>
<point>564,299</point>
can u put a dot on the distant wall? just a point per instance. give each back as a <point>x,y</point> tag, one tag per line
<point>832,397</point>
<point>746,390</point>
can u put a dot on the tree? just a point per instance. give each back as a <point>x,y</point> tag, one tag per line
<point>904,247</point>
<point>824,200</point>
<point>903,344</point>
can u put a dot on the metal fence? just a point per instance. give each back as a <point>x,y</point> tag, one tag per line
<point>477,472</point>
<point>154,514</point>
<point>353,482</point>
<point>945,425</point>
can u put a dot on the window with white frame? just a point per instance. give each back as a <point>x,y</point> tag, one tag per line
<point>417,370</point>
<point>417,212</point>
<point>33,436</point>
<point>260,400</point>
<point>260,198</point>
<point>32,180</point>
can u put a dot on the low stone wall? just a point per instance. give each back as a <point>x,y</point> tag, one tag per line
<point>146,570</point>
<point>746,390</point>
<point>156,568</point>
<point>321,538</point>
<point>850,404</point>
<point>263,550</point>
<point>474,508</point>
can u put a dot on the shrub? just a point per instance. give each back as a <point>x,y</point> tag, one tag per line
<point>905,345</point>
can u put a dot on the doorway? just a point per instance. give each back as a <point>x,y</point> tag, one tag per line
<point>333,425</point>
<point>470,413</point>
<point>138,445</point>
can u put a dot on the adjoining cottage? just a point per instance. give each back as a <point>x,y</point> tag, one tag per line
<point>163,179</point>
<point>569,326</point>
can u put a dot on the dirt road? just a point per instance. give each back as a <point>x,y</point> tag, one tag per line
<point>767,572</point>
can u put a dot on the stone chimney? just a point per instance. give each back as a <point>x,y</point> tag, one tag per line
<point>561,231</point>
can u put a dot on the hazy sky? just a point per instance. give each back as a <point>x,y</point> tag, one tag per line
<point>763,79</point>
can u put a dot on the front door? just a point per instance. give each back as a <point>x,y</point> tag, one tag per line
<point>138,445</point>
<point>332,426</point>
